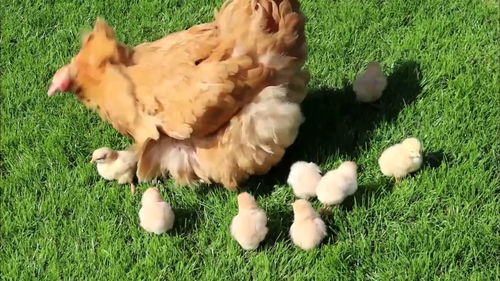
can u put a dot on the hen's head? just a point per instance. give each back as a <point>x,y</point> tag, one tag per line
<point>99,49</point>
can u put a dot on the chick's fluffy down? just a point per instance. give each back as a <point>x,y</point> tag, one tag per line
<point>304,177</point>
<point>401,159</point>
<point>156,217</point>
<point>307,230</point>
<point>307,234</point>
<point>249,228</point>
<point>337,185</point>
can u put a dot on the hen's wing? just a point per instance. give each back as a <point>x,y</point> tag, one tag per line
<point>188,95</point>
<point>205,75</point>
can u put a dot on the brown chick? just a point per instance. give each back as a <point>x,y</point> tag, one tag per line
<point>401,159</point>
<point>155,215</point>
<point>116,165</point>
<point>249,226</point>
<point>370,84</point>
<point>308,229</point>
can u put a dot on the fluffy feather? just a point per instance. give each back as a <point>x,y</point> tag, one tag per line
<point>116,165</point>
<point>338,184</point>
<point>304,177</point>
<point>370,84</point>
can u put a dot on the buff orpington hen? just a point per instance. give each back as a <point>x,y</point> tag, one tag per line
<point>215,103</point>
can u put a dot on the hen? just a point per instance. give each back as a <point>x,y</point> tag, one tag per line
<point>217,102</point>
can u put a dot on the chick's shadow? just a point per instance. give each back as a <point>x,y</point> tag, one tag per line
<point>338,126</point>
<point>186,220</point>
<point>279,222</point>
<point>434,159</point>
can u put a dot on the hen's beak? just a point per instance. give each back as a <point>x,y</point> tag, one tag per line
<point>60,82</point>
<point>53,89</point>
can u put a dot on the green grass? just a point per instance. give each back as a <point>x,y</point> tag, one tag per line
<point>60,221</point>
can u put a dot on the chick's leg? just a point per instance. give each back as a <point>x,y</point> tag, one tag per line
<point>398,181</point>
<point>132,188</point>
<point>324,209</point>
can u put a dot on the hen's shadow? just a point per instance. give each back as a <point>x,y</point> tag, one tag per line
<point>335,124</point>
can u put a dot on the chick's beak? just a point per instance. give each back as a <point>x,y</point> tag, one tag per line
<point>95,159</point>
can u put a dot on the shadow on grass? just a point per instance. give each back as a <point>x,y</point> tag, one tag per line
<point>186,219</point>
<point>279,222</point>
<point>335,124</point>
<point>368,192</point>
<point>434,159</point>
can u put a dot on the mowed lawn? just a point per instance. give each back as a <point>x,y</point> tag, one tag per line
<point>60,221</point>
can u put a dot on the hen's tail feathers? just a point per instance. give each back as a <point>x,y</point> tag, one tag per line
<point>272,31</point>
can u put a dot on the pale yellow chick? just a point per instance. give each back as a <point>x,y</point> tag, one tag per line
<point>308,229</point>
<point>370,84</point>
<point>155,215</point>
<point>249,226</point>
<point>338,184</point>
<point>116,165</point>
<point>401,159</point>
<point>303,178</point>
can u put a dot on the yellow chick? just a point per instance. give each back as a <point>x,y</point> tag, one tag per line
<point>304,178</point>
<point>155,215</point>
<point>401,159</point>
<point>116,165</point>
<point>249,226</point>
<point>338,184</point>
<point>308,229</point>
<point>370,84</point>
